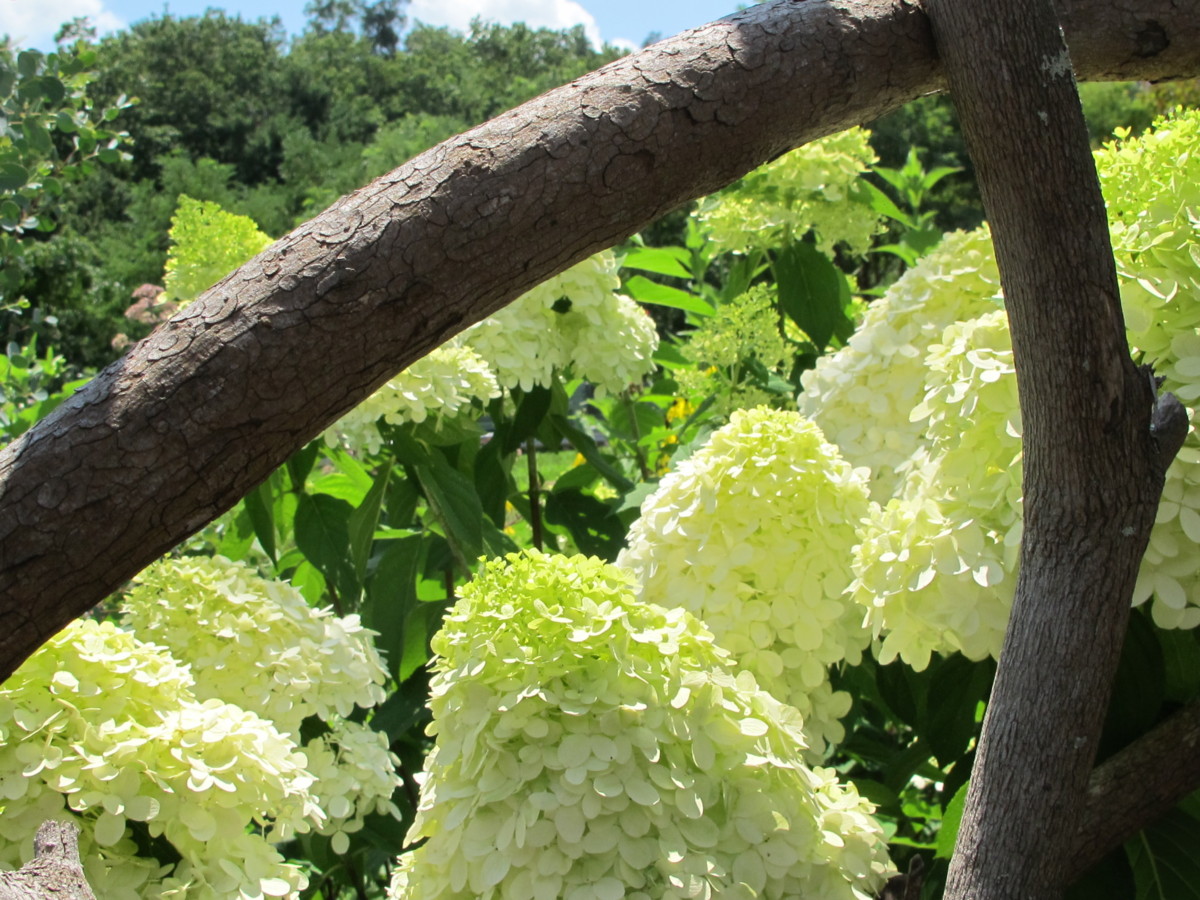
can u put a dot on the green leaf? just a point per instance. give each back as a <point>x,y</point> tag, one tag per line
<point>531,410</point>
<point>881,202</point>
<point>1164,859</point>
<point>957,686</point>
<point>28,62</point>
<point>951,820</point>
<point>670,261</point>
<point>583,442</point>
<point>362,522</point>
<point>300,463</point>
<point>456,507</point>
<point>1181,661</point>
<point>323,536</point>
<point>813,293</point>
<point>13,177</point>
<point>64,122</point>
<point>422,622</point>
<point>260,507</point>
<point>392,595</point>
<point>595,528</point>
<point>646,291</point>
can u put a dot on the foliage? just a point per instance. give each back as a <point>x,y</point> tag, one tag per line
<point>594,745</point>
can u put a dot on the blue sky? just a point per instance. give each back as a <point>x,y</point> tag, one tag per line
<point>32,23</point>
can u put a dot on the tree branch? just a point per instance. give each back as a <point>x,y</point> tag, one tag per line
<point>1093,464</point>
<point>54,871</point>
<point>166,439</point>
<point>1136,786</point>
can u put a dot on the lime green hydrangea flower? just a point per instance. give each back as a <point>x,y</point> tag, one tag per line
<point>574,322</point>
<point>810,189</point>
<point>936,566</point>
<point>592,745</point>
<point>256,642</point>
<point>861,396</point>
<point>111,725</point>
<point>355,776</point>
<point>753,534</point>
<point>207,244</point>
<point>1152,189</point>
<point>443,383</point>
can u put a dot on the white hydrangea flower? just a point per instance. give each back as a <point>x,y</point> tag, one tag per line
<point>441,384</point>
<point>936,567</point>
<point>355,776</point>
<point>590,745</point>
<point>111,725</point>
<point>256,642</point>
<point>861,396</point>
<point>753,534</point>
<point>1152,189</point>
<point>809,189</point>
<point>575,321</point>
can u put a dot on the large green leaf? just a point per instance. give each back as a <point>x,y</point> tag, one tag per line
<point>583,442</point>
<point>391,597</point>
<point>1164,859</point>
<point>595,528</point>
<point>456,507</point>
<point>644,290</point>
<point>323,536</point>
<point>260,507</point>
<point>672,261</point>
<point>1138,688</point>
<point>813,293</point>
<point>363,521</point>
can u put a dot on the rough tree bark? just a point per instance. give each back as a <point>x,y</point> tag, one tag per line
<point>1095,444</point>
<point>193,417</point>
<point>55,870</point>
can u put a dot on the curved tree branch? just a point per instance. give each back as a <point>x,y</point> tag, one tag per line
<point>167,438</point>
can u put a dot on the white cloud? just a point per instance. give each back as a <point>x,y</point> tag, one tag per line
<point>33,24</point>
<point>457,14</point>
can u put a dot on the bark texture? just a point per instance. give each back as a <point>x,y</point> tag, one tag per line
<point>1095,451</point>
<point>54,872</point>
<point>193,417</point>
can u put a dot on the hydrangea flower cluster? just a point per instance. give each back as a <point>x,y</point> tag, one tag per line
<point>950,454</point>
<point>810,189</point>
<point>109,727</point>
<point>754,535</point>
<point>207,244</point>
<point>198,739</point>
<point>590,745</point>
<point>861,395</point>
<point>255,642</point>
<point>935,567</point>
<point>575,321</point>
<point>1152,190</point>
<point>442,383</point>
<point>743,330</point>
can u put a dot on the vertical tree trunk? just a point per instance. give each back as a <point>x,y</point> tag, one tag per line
<point>1093,464</point>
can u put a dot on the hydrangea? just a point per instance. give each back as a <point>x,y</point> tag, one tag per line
<point>575,321</point>
<point>1152,188</point>
<point>861,395</point>
<point>442,383</point>
<point>753,534</point>
<point>810,189</point>
<point>355,776</point>
<point>935,567</point>
<point>590,745</point>
<point>207,244</point>
<point>744,331</point>
<point>111,725</point>
<point>256,642</point>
